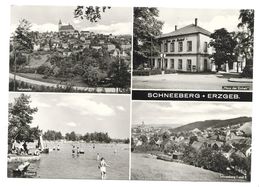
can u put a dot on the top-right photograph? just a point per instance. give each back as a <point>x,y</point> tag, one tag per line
<point>193,49</point>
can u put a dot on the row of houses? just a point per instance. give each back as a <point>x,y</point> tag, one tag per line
<point>208,138</point>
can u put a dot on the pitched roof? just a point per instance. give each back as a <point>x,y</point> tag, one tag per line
<point>189,29</point>
<point>66,27</point>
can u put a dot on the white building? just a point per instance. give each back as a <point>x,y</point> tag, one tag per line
<point>185,49</point>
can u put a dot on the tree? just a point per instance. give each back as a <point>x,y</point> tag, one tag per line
<point>23,37</point>
<point>146,28</point>
<point>52,135</point>
<point>90,13</point>
<point>143,138</point>
<point>121,78</point>
<point>71,136</point>
<point>22,41</point>
<point>224,46</point>
<point>20,115</point>
<point>245,37</point>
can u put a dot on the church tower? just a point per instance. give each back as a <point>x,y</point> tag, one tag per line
<point>60,24</point>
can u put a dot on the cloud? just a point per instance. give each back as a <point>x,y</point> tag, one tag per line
<point>115,28</point>
<point>37,103</point>
<point>86,106</point>
<point>46,27</point>
<point>120,108</point>
<point>71,124</point>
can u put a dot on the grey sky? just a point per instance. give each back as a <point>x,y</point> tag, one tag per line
<point>181,113</point>
<point>81,113</point>
<point>209,19</point>
<point>116,20</point>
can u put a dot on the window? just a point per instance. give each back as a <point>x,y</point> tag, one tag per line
<point>180,64</point>
<point>172,63</point>
<point>189,45</point>
<point>166,47</point>
<point>180,47</point>
<point>172,47</point>
<point>189,65</point>
<point>166,63</point>
<point>159,63</point>
<point>205,47</point>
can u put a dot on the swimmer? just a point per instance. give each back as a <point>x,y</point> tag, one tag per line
<point>98,156</point>
<point>102,166</point>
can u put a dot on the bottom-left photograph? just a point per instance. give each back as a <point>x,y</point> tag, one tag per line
<point>68,136</point>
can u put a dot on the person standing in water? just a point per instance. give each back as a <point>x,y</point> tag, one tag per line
<point>73,149</point>
<point>102,166</point>
<point>98,157</point>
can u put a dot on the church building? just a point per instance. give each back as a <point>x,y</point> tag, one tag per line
<point>65,29</point>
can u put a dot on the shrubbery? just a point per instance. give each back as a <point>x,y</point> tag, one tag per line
<point>146,72</point>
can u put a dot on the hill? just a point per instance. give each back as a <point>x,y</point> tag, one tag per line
<point>202,125</point>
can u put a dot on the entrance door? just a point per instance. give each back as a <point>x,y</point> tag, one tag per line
<point>205,65</point>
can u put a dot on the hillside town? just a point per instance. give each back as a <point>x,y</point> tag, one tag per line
<point>225,149</point>
<point>79,57</point>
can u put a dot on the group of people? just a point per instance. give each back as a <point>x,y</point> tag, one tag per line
<point>21,149</point>
<point>102,163</point>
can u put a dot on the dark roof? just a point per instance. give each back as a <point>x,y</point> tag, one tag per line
<point>189,29</point>
<point>66,27</point>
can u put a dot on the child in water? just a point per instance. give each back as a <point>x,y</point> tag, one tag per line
<point>98,157</point>
<point>102,166</point>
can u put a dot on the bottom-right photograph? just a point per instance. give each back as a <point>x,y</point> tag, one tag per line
<point>191,141</point>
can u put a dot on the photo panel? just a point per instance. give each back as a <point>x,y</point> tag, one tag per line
<point>193,49</point>
<point>70,49</point>
<point>191,141</point>
<point>68,136</point>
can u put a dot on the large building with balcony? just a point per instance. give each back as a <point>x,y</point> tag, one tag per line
<point>185,49</point>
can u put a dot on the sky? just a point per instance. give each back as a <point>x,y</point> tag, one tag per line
<point>182,113</point>
<point>116,20</point>
<point>208,19</point>
<point>81,113</point>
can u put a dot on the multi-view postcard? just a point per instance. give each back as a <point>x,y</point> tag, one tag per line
<point>131,93</point>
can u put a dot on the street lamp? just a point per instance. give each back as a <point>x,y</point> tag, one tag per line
<point>162,55</point>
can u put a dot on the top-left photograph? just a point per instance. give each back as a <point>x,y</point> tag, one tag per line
<point>70,49</point>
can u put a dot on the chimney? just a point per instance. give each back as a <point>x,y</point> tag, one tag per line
<point>196,21</point>
<point>175,27</point>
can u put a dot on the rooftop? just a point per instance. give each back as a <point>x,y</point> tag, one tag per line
<point>66,27</point>
<point>189,29</point>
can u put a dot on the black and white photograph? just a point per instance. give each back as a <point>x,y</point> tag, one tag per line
<point>193,49</point>
<point>191,141</point>
<point>65,136</point>
<point>70,49</point>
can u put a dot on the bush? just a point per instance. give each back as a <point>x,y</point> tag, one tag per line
<point>43,70</point>
<point>26,70</point>
<point>170,71</point>
<point>146,72</point>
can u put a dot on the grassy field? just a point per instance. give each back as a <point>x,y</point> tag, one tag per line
<point>144,167</point>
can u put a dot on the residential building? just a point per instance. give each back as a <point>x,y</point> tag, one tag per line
<point>185,49</point>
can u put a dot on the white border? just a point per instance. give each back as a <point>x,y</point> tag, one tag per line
<point>219,4</point>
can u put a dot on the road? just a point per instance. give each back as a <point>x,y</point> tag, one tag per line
<point>185,82</point>
<point>40,83</point>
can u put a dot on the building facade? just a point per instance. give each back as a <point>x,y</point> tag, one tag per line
<point>185,49</point>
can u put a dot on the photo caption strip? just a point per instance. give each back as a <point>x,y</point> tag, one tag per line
<point>191,96</point>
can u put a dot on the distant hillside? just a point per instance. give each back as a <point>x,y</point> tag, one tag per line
<point>212,123</point>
